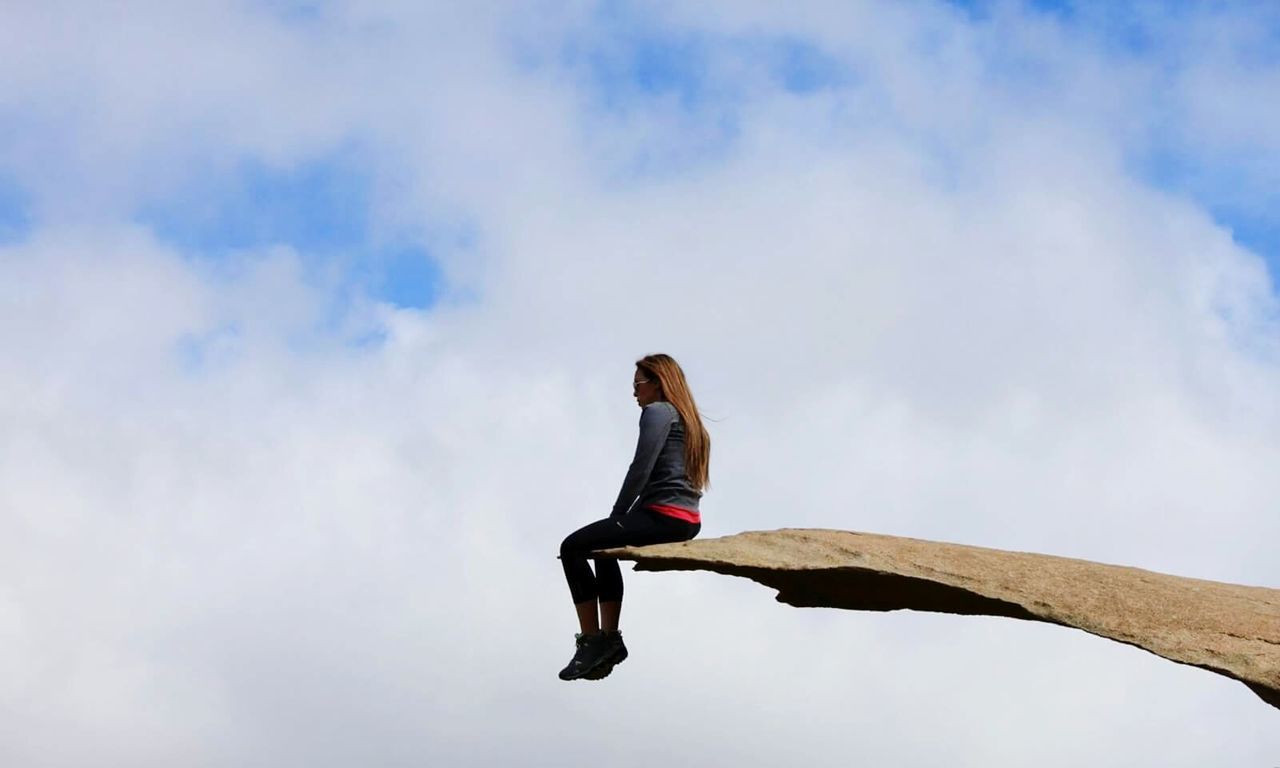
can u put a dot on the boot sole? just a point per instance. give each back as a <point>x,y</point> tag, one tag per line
<point>603,663</point>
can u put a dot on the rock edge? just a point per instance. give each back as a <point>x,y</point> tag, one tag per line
<point>1230,629</point>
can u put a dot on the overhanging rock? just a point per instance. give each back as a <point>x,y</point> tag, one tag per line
<point>1229,629</point>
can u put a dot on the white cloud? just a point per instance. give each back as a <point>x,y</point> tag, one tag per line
<point>229,537</point>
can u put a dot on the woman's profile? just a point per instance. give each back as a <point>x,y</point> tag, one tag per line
<point>658,503</point>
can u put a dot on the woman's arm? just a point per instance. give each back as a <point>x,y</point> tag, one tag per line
<point>655,423</point>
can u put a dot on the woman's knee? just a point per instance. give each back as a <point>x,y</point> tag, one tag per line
<point>571,546</point>
<point>587,538</point>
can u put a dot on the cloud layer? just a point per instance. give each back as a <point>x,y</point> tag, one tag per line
<point>933,271</point>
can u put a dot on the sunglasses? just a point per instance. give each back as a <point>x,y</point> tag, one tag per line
<point>636,384</point>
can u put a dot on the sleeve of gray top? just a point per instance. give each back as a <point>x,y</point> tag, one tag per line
<point>655,423</point>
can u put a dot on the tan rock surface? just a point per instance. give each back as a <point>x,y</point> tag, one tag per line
<point>1230,629</point>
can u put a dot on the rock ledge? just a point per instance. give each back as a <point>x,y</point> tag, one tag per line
<point>1229,629</point>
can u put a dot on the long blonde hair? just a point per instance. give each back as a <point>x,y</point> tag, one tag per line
<point>675,390</point>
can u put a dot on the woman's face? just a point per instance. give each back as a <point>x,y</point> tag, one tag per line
<point>646,388</point>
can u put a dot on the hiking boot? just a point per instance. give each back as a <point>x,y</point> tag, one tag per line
<point>587,657</point>
<point>614,653</point>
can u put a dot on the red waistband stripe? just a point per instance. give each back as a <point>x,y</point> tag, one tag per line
<point>680,513</point>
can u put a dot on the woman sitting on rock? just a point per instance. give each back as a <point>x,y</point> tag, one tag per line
<point>658,503</point>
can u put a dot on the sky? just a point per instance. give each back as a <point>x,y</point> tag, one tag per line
<point>319,320</point>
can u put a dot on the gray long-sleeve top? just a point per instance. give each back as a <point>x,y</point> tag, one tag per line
<point>657,474</point>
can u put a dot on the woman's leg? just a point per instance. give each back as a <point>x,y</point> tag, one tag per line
<point>588,617</point>
<point>610,612</point>
<point>585,587</point>
<point>643,527</point>
<point>575,550</point>
<point>598,651</point>
<point>639,528</point>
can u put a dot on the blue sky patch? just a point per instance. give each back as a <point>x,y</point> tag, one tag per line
<point>320,205</point>
<point>1116,26</point>
<point>981,9</point>
<point>1234,185</point>
<point>322,209</point>
<point>694,84</point>
<point>628,65</point>
<point>296,11</point>
<point>406,277</point>
<point>805,68</point>
<point>15,212</point>
<point>1257,233</point>
<point>1239,196</point>
<point>629,60</point>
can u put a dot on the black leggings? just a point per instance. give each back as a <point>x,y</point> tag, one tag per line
<point>635,529</point>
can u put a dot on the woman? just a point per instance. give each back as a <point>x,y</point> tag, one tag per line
<point>658,503</point>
